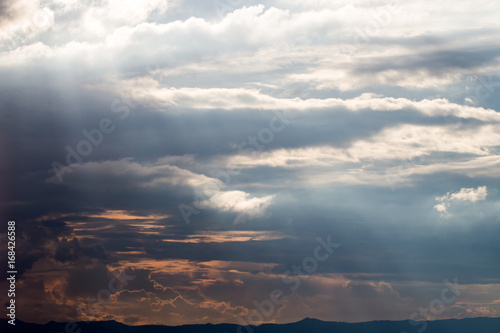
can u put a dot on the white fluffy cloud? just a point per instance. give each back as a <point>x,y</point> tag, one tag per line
<point>465,194</point>
<point>239,202</point>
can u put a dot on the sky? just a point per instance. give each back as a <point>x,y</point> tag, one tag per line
<point>230,161</point>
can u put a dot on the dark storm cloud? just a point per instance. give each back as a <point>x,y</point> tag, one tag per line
<point>150,134</point>
<point>436,62</point>
<point>145,135</point>
<point>162,132</point>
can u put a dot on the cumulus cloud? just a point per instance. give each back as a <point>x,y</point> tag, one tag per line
<point>238,202</point>
<point>21,20</point>
<point>465,194</point>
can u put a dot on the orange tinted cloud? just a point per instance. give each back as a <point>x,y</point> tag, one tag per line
<point>124,215</point>
<point>229,236</point>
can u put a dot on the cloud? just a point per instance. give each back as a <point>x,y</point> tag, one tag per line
<point>238,202</point>
<point>230,236</point>
<point>465,194</point>
<point>209,193</point>
<point>384,107</point>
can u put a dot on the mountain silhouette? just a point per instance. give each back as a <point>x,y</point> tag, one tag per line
<point>307,325</point>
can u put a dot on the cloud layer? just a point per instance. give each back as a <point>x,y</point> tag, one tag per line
<point>201,148</point>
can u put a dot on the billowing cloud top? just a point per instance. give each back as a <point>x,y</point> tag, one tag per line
<point>175,162</point>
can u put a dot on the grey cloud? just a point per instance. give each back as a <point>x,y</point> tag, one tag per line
<point>8,12</point>
<point>436,62</point>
